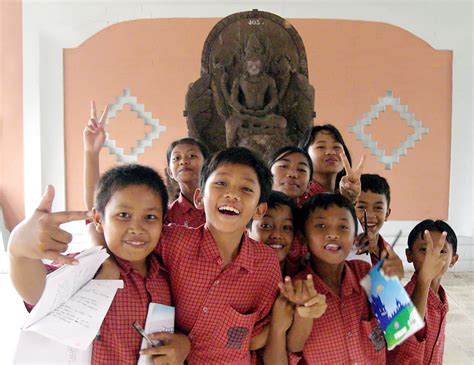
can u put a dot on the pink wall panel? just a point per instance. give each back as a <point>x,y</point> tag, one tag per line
<point>351,64</point>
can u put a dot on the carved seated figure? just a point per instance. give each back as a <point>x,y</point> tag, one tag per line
<point>253,98</point>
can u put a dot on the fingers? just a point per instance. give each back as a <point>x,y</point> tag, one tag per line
<point>429,240</point>
<point>317,299</point>
<point>61,259</point>
<point>103,117</point>
<point>46,202</point>
<point>345,163</point>
<point>360,166</point>
<point>440,244</point>
<point>93,111</point>
<point>68,216</point>
<point>309,285</point>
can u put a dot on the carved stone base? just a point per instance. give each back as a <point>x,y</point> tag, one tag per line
<point>264,145</point>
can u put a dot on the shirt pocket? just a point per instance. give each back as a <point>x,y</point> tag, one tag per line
<point>236,329</point>
<point>366,329</point>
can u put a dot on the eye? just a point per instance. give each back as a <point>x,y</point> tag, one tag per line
<point>123,215</point>
<point>337,147</point>
<point>151,217</point>
<point>362,207</point>
<point>220,183</point>
<point>176,158</point>
<point>247,189</point>
<point>288,228</point>
<point>320,225</point>
<point>192,155</point>
<point>303,170</point>
<point>266,226</point>
<point>344,227</point>
<point>379,208</point>
<point>283,166</point>
<point>422,249</point>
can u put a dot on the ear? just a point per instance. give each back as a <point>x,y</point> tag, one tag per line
<point>409,255</point>
<point>454,259</point>
<point>169,173</point>
<point>389,210</point>
<point>198,197</point>
<point>260,211</point>
<point>97,217</point>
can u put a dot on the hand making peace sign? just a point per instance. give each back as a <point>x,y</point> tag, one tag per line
<point>94,133</point>
<point>349,186</point>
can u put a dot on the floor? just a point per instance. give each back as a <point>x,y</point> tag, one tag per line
<point>459,347</point>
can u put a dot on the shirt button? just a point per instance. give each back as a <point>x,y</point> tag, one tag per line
<point>217,282</point>
<point>349,334</point>
<point>205,310</point>
<point>219,261</point>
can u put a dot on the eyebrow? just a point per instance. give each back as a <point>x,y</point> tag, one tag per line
<point>245,177</point>
<point>125,206</point>
<point>341,219</point>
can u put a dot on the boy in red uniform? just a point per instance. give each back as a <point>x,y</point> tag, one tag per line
<point>223,283</point>
<point>375,200</point>
<point>129,209</point>
<point>341,333</point>
<point>432,249</point>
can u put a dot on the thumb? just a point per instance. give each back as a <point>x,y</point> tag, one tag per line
<point>46,202</point>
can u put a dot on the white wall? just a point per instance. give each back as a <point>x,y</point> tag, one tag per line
<point>49,27</point>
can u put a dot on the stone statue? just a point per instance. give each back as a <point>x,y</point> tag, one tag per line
<point>253,98</point>
<point>253,90</point>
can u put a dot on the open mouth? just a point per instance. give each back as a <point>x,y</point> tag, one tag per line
<point>228,210</point>
<point>332,247</point>
<point>276,246</point>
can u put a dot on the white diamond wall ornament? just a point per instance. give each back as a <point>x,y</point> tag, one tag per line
<point>409,142</point>
<point>141,144</point>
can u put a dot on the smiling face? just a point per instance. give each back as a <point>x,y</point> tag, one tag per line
<point>230,198</point>
<point>377,210</point>
<point>132,223</point>
<point>324,153</point>
<point>185,164</point>
<point>330,234</point>
<point>275,229</point>
<point>291,175</point>
<point>417,253</point>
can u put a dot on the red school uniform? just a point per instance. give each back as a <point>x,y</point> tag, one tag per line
<point>220,309</point>
<point>313,189</point>
<point>118,342</point>
<point>341,334</point>
<point>427,345</point>
<point>183,213</point>
<point>382,245</point>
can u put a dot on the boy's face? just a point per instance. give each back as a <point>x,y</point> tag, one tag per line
<point>324,153</point>
<point>230,198</point>
<point>131,223</point>
<point>377,210</point>
<point>275,229</point>
<point>185,163</point>
<point>291,175</point>
<point>417,253</point>
<point>330,234</point>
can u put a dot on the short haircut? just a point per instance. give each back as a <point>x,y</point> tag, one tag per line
<point>289,150</point>
<point>120,177</point>
<point>186,140</point>
<point>433,226</point>
<point>310,136</point>
<point>239,156</point>
<point>376,184</point>
<point>324,201</point>
<point>277,198</point>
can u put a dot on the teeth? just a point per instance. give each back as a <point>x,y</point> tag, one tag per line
<point>229,209</point>
<point>277,246</point>
<point>135,243</point>
<point>371,224</point>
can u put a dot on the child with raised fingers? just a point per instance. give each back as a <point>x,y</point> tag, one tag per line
<point>341,334</point>
<point>432,246</point>
<point>129,207</point>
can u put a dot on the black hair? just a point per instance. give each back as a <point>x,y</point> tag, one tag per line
<point>433,226</point>
<point>186,140</point>
<point>310,136</point>
<point>239,156</point>
<point>120,177</point>
<point>324,201</point>
<point>277,199</point>
<point>376,184</point>
<point>288,150</point>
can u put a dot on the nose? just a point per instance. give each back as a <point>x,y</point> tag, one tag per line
<point>135,227</point>
<point>232,195</point>
<point>292,172</point>
<point>276,234</point>
<point>332,237</point>
<point>184,161</point>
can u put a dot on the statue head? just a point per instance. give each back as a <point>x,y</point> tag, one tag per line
<point>254,55</point>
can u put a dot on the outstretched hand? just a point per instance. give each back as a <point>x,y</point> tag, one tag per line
<point>350,186</point>
<point>40,235</point>
<point>94,132</point>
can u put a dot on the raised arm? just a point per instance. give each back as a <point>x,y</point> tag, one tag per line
<point>39,237</point>
<point>94,138</point>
